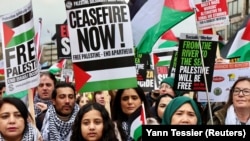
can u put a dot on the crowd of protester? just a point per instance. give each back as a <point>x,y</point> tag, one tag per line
<point>62,114</point>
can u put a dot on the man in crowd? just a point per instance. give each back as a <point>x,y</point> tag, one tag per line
<point>60,116</point>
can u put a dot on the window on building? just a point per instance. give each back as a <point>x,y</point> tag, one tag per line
<point>235,7</point>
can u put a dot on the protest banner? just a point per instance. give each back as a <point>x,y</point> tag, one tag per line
<point>194,51</point>
<point>21,65</point>
<point>211,13</point>
<point>142,63</point>
<point>62,41</point>
<point>148,84</point>
<point>101,45</point>
<point>225,74</point>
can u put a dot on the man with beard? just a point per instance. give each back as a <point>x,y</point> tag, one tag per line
<point>60,116</point>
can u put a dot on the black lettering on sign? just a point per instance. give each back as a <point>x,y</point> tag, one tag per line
<point>89,38</point>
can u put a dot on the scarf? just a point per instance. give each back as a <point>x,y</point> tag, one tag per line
<point>232,119</point>
<point>125,128</point>
<point>36,100</point>
<point>54,129</point>
<point>30,134</point>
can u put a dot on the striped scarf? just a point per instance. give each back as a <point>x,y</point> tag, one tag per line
<point>36,100</point>
<point>54,129</point>
<point>30,134</point>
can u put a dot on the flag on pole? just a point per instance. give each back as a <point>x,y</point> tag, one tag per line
<point>137,119</point>
<point>156,17</point>
<point>37,41</point>
<point>57,67</point>
<point>168,39</point>
<point>241,45</point>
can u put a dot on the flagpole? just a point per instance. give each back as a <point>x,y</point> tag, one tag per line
<point>144,114</point>
<point>50,46</point>
<point>204,73</point>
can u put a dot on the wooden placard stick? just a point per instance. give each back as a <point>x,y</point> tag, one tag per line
<point>31,105</point>
<point>107,101</point>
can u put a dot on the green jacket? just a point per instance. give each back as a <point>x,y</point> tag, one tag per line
<point>218,117</point>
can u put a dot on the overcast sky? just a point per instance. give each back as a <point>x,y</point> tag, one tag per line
<point>53,12</point>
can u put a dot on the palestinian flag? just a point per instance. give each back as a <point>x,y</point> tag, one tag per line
<point>168,40</point>
<point>156,17</point>
<point>210,31</point>
<point>163,57</point>
<point>241,45</point>
<point>37,41</point>
<point>57,67</point>
<point>105,74</point>
<point>136,120</point>
<point>1,70</point>
<point>18,30</point>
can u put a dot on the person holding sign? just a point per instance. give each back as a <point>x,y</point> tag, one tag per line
<point>236,111</point>
<point>182,110</point>
<point>42,99</point>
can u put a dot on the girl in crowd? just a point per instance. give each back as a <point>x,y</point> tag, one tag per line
<point>126,104</point>
<point>15,126</point>
<point>83,99</point>
<point>161,104</point>
<point>104,98</point>
<point>182,110</point>
<point>93,123</point>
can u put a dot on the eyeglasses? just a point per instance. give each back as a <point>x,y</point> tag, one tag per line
<point>244,91</point>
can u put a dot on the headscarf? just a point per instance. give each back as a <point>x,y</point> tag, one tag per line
<point>175,104</point>
<point>170,82</point>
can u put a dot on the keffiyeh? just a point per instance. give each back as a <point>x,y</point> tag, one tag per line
<point>30,134</point>
<point>36,100</point>
<point>54,129</point>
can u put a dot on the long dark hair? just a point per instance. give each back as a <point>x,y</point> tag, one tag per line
<point>21,107</point>
<point>157,104</point>
<point>117,114</point>
<point>108,132</point>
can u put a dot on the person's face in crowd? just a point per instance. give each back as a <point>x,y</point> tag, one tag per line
<point>100,98</point>
<point>45,88</point>
<point>92,125</point>
<point>242,99</point>
<point>163,105</point>
<point>130,101</point>
<point>84,100</point>
<point>185,115</point>
<point>2,91</point>
<point>165,88</point>
<point>12,122</point>
<point>64,101</point>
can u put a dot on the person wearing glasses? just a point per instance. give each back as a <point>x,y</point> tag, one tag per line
<point>236,111</point>
<point>166,87</point>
